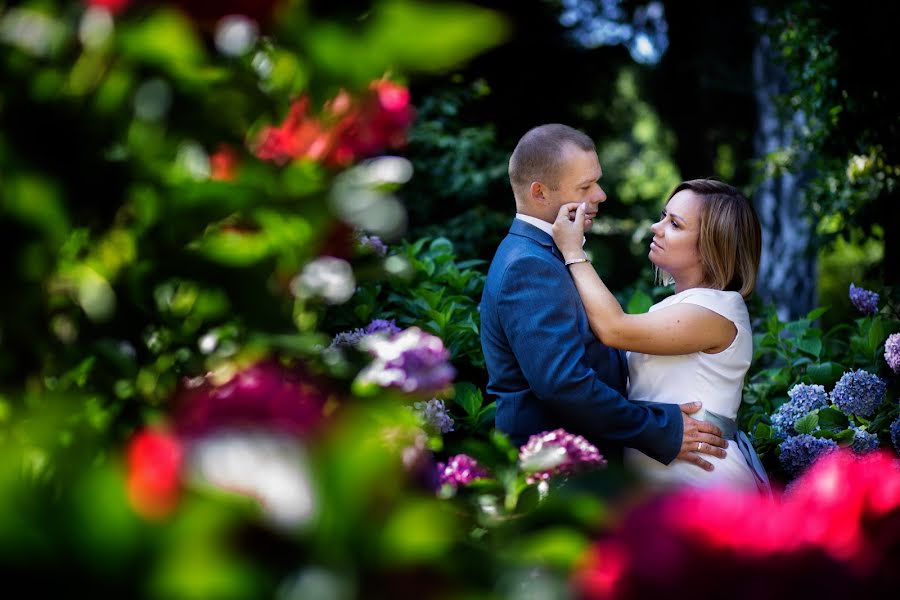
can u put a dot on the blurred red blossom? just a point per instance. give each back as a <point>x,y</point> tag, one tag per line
<point>154,459</point>
<point>113,6</point>
<point>266,395</point>
<point>348,129</point>
<point>834,533</point>
<point>223,163</point>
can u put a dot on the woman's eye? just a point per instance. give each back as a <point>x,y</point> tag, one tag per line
<point>674,224</point>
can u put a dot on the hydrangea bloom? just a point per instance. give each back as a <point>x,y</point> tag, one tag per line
<point>800,451</point>
<point>460,470</point>
<point>266,395</point>
<point>435,415</point>
<point>412,360</point>
<point>352,338</point>
<point>557,453</point>
<point>895,434</point>
<point>373,243</point>
<point>803,400</point>
<point>858,393</point>
<point>892,352</point>
<point>864,441</point>
<point>864,300</point>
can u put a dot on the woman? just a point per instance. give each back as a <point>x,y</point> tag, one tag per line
<point>695,345</point>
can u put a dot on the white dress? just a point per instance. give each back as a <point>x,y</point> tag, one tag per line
<point>714,379</point>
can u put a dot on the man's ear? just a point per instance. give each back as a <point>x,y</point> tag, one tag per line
<point>537,192</point>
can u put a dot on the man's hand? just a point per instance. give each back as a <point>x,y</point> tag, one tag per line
<point>699,438</point>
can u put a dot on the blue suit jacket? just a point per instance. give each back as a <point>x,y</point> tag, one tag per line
<point>546,368</point>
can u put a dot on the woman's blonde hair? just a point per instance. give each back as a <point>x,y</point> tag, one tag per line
<point>730,239</point>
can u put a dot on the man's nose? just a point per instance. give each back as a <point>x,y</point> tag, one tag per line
<point>601,195</point>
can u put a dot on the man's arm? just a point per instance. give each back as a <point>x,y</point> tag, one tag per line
<point>539,322</point>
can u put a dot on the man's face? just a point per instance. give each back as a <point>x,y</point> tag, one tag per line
<point>578,182</point>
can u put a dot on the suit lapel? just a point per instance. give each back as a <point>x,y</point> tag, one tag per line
<point>527,230</point>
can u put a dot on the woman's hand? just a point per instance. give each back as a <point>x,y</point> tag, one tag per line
<point>568,230</point>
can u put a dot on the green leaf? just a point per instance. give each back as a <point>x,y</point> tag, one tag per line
<point>845,436</point>
<point>876,335</point>
<point>816,313</point>
<point>809,345</point>
<point>468,397</point>
<point>763,432</point>
<point>808,423</point>
<point>640,302</point>
<point>825,373</point>
<point>165,39</point>
<point>833,418</point>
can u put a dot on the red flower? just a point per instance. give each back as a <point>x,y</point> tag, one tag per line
<point>223,163</point>
<point>836,532</point>
<point>266,395</point>
<point>347,131</point>
<point>113,6</point>
<point>154,462</point>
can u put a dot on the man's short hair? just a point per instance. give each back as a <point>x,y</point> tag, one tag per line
<point>540,154</point>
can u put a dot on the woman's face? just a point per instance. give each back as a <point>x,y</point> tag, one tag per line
<point>675,246</point>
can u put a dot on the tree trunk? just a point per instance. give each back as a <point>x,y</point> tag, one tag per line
<point>787,272</point>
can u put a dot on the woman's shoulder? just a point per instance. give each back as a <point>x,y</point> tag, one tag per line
<point>727,303</point>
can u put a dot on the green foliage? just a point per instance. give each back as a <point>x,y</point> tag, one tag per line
<point>794,352</point>
<point>430,289</point>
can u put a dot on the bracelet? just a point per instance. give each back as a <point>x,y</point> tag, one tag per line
<point>577,260</point>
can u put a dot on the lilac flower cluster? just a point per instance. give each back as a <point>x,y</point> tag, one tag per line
<point>895,434</point>
<point>352,338</point>
<point>460,470</point>
<point>412,360</point>
<point>892,352</point>
<point>435,416</point>
<point>374,244</point>
<point>864,300</point>
<point>863,441</point>
<point>801,451</point>
<point>803,400</point>
<point>557,453</point>
<point>858,393</point>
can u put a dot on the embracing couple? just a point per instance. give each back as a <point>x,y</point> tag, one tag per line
<point>659,391</point>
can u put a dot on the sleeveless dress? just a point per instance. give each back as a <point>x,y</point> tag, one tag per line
<point>714,379</point>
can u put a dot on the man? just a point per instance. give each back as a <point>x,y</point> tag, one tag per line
<point>545,367</point>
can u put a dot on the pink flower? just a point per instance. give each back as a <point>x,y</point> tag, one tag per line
<point>842,517</point>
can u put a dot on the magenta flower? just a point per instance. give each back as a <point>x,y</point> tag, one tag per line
<point>557,453</point>
<point>266,395</point>
<point>460,470</point>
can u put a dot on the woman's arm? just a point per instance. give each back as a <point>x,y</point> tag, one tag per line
<point>679,329</point>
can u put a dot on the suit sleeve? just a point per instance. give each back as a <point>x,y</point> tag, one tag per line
<point>539,322</point>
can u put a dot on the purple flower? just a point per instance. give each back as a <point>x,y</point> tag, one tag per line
<point>352,338</point>
<point>895,434</point>
<point>858,393</point>
<point>892,352</point>
<point>460,470</point>
<point>801,451</point>
<point>412,360</point>
<point>863,441</point>
<point>557,453</point>
<point>435,416</point>
<point>803,400</point>
<point>865,301</point>
<point>382,326</point>
<point>374,244</point>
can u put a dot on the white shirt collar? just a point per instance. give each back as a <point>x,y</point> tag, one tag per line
<point>541,224</point>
